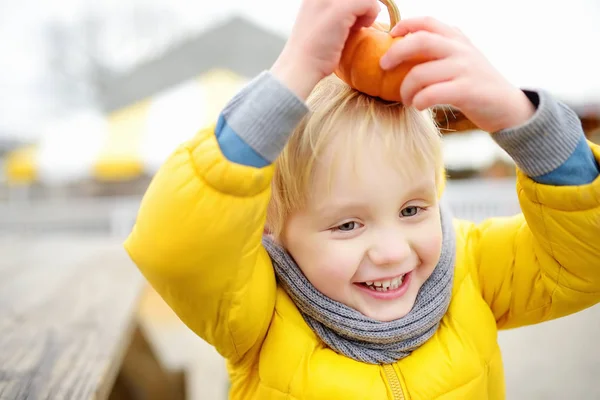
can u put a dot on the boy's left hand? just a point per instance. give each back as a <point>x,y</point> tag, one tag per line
<point>456,74</point>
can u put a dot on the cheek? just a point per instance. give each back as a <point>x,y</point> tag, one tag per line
<point>330,262</point>
<point>432,247</point>
<point>327,264</point>
<point>429,246</point>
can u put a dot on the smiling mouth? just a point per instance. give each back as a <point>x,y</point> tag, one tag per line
<point>388,289</point>
<point>385,285</point>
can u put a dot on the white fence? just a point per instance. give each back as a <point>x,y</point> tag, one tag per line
<point>476,200</point>
<point>473,200</point>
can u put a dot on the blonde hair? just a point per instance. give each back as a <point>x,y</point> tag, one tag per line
<point>351,118</point>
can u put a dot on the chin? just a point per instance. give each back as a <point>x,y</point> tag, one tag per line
<point>390,312</point>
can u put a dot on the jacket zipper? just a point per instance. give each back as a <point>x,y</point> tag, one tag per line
<point>394,382</point>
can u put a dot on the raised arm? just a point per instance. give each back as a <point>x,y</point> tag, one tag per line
<point>197,238</point>
<point>544,263</point>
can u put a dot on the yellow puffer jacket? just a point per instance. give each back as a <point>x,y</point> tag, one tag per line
<point>198,242</point>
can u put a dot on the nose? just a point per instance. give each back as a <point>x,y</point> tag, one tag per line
<point>389,248</point>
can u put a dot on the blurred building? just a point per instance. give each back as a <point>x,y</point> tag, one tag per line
<point>148,111</point>
<point>237,45</point>
<point>471,153</point>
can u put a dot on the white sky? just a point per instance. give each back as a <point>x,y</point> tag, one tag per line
<point>533,43</point>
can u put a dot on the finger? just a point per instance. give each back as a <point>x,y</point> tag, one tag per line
<point>426,74</point>
<point>366,13</point>
<point>421,45</point>
<point>448,92</point>
<point>363,21</point>
<point>429,24</point>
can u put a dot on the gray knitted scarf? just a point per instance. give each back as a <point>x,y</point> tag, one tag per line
<point>353,334</point>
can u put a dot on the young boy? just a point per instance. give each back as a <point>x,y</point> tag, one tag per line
<point>365,286</point>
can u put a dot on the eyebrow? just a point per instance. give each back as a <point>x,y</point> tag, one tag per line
<point>340,207</point>
<point>329,210</point>
<point>329,213</point>
<point>428,190</point>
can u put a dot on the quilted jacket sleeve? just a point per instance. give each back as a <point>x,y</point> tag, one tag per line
<point>197,240</point>
<point>544,263</point>
<point>197,237</point>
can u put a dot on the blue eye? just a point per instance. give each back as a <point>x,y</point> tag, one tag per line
<point>410,211</point>
<point>347,226</point>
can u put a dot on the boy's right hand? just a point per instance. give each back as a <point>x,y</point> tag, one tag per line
<point>315,45</point>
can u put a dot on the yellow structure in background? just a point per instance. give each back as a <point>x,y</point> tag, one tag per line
<point>221,86</point>
<point>20,166</point>
<point>120,158</point>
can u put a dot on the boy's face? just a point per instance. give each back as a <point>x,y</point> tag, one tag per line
<point>373,239</point>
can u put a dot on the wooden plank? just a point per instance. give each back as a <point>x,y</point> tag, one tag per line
<point>143,376</point>
<point>67,314</point>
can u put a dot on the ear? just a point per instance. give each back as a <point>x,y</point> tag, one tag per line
<point>268,234</point>
<point>273,238</point>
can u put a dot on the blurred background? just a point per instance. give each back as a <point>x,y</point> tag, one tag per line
<point>95,95</point>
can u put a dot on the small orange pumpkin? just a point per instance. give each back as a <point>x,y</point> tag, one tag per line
<point>359,64</point>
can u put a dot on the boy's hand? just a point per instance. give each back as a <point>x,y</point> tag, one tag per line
<point>315,45</point>
<point>457,74</point>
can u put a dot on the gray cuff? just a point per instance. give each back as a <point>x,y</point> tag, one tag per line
<point>264,114</point>
<point>544,142</point>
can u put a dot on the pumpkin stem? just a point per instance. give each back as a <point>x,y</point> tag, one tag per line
<point>393,11</point>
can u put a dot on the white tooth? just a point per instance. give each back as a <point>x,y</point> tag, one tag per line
<point>394,285</point>
<point>377,284</point>
<point>372,287</point>
<point>369,283</point>
<point>394,282</point>
<point>379,289</point>
<point>386,284</point>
